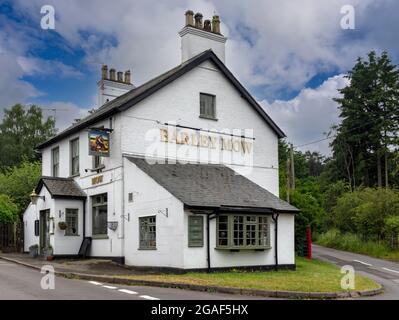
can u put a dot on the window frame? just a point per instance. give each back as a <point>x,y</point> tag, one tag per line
<point>53,164</point>
<point>149,225</point>
<point>67,230</point>
<point>231,244</point>
<point>73,158</point>
<point>94,207</point>
<point>204,114</point>
<point>195,243</point>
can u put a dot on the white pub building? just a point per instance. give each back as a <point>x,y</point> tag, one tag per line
<point>178,173</point>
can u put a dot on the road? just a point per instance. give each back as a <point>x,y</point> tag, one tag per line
<point>21,283</point>
<point>382,271</point>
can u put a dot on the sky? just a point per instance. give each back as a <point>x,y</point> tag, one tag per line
<point>291,55</point>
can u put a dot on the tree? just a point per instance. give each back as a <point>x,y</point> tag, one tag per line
<point>18,182</point>
<point>369,109</point>
<point>8,210</point>
<point>20,132</point>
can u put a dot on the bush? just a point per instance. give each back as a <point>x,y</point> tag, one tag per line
<point>364,212</point>
<point>352,242</point>
<point>8,210</point>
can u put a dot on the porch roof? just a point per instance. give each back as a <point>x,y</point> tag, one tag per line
<point>213,186</point>
<point>61,187</point>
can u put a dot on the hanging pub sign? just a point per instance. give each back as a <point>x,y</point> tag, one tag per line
<point>99,142</point>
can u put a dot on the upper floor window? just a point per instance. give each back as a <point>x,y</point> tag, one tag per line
<point>207,106</point>
<point>55,162</point>
<point>74,147</point>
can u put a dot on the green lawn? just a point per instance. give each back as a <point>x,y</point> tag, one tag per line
<point>310,276</point>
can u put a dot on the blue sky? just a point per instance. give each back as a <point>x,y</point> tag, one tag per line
<point>292,55</point>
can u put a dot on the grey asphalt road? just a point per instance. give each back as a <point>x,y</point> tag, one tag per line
<point>382,271</point>
<point>21,283</point>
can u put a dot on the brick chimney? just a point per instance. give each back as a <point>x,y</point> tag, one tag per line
<point>197,36</point>
<point>113,84</point>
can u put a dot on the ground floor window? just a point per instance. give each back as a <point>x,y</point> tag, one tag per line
<point>100,214</point>
<point>243,232</point>
<point>195,231</point>
<point>148,232</point>
<point>72,221</point>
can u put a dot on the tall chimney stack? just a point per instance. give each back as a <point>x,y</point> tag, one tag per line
<point>112,74</point>
<point>202,37</point>
<point>104,72</point>
<point>127,77</point>
<point>198,20</point>
<point>189,18</point>
<point>120,76</point>
<point>112,85</point>
<point>216,24</point>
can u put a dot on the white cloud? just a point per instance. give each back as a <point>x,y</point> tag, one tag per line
<point>309,115</point>
<point>65,113</point>
<point>35,66</point>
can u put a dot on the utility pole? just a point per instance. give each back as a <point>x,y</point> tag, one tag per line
<point>292,167</point>
<point>288,179</point>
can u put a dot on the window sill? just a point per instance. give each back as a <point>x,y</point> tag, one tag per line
<point>99,236</point>
<point>208,118</point>
<point>71,235</point>
<point>146,249</point>
<point>235,249</point>
<point>74,175</point>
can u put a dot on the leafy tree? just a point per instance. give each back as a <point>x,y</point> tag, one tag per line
<point>8,210</point>
<point>21,131</point>
<point>369,109</point>
<point>18,182</point>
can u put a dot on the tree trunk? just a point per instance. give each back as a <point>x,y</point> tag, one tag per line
<point>379,175</point>
<point>386,169</point>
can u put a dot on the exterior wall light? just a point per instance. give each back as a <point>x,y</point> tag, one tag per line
<point>34,197</point>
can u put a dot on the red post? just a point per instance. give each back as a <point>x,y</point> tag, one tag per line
<point>309,242</point>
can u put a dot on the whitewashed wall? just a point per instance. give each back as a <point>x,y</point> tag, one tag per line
<point>149,199</point>
<point>179,102</point>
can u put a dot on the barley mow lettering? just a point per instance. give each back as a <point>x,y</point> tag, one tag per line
<point>212,141</point>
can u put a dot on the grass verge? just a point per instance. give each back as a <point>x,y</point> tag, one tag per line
<point>353,243</point>
<point>310,276</point>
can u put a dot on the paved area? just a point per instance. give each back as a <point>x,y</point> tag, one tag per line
<point>383,271</point>
<point>21,283</point>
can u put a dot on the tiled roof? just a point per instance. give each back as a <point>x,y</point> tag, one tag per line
<point>61,187</point>
<point>139,93</point>
<point>213,186</point>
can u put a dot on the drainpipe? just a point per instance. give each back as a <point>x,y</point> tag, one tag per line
<point>84,218</point>
<point>275,219</point>
<point>208,241</point>
<point>208,245</point>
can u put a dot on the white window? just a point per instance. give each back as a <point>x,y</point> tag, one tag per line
<point>99,214</point>
<point>74,150</point>
<point>207,106</point>
<point>55,162</point>
<point>148,232</point>
<point>72,221</point>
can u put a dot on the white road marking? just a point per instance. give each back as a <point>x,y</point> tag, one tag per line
<point>390,270</point>
<point>96,283</point>
<point>109,287</point>
<point>127,291</point>
<point>366,264</point>
<point>149,298</point>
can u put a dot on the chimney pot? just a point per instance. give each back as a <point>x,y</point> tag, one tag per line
<point>216,24</point>
<point>207,25</point>
<point>127,77</point>
<point>198,20</point>
<point>120,76</point>
<point>112,74</point>
<point>189,18</point>
<point>104,71</point>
